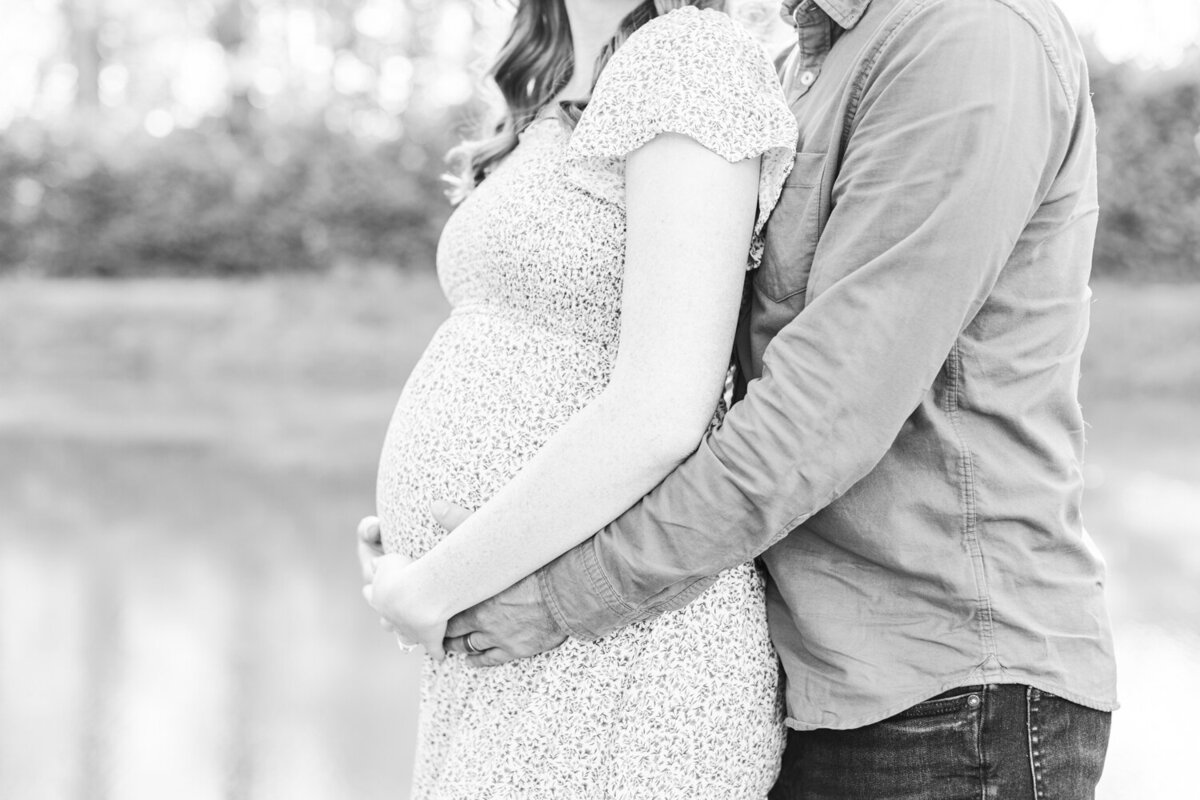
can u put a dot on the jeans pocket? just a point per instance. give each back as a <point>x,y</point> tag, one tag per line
<point>967,698</point>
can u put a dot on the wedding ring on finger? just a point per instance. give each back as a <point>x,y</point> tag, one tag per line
<point>471,648</point>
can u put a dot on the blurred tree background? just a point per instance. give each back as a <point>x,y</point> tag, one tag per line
<point>237,137</point>
<point>230,136</point>
<point>1149,151</point>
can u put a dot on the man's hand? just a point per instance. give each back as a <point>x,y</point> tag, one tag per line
<point>513,624</point>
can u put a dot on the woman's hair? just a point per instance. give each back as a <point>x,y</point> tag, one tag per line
<point>536,61</point>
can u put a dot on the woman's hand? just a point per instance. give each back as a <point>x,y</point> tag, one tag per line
<point>370,545</point>
<point>397,593</point>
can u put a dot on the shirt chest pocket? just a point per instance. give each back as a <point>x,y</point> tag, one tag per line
<point>791,233</point>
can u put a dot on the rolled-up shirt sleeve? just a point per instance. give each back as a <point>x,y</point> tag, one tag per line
<point>959,127</point>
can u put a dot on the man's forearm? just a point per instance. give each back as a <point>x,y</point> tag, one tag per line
<point>910,252</point>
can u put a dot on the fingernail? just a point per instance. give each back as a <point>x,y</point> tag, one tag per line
<point>439,507</point>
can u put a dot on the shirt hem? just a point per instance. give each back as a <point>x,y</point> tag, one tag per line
<point>1049,687</point>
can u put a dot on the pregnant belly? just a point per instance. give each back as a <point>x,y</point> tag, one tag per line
<point>485,396</point>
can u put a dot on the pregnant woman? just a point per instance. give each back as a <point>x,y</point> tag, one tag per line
<point>595,269</point>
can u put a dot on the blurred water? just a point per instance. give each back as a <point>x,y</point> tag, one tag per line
<point>1147,524</point>
<point>179,603</point>
<point>182,670</point>
<point>192,681</point>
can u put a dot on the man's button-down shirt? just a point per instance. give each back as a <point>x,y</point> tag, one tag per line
<point>905,454</point>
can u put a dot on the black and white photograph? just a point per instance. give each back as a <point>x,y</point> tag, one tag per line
<point>599,399</point>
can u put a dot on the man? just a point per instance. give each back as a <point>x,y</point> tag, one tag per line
<point>905,451</point>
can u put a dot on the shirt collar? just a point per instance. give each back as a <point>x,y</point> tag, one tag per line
<point>845,13</point>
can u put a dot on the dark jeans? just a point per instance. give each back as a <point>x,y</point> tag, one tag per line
<point>995,742</point>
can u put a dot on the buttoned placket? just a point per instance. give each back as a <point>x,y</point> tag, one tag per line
<point>814,37</point>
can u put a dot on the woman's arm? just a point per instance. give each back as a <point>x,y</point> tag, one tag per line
<point>689,219</point>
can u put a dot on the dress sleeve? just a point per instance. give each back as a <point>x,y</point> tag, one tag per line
<point>696,73</point>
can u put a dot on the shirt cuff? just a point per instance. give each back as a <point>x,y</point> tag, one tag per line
<point>580,597</point>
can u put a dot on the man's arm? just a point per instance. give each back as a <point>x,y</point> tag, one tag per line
<point>960,129</point>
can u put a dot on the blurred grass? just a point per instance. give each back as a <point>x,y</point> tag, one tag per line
<point>183,464</point>
<point>1144,343</point>
<point>181,467</point>
<point>1141,396</point>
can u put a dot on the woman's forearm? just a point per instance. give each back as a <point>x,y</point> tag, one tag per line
<point>690,214</point>
<point>596,466</point>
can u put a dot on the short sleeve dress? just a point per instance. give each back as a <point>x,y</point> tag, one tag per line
<point>686,705</point>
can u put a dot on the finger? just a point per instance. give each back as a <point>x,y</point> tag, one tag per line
<point>490,658</point>
<point>392,560</point>
<point>369,595</point>
<point>458,644</point>
<point>366,555</point>
<point>434,649</point>
<point>448,515</point>
<point>369,532</point>
<point>462,624</point>
<point>386,569</point>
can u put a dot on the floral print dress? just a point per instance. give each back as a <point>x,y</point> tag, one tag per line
<point>686,705</point>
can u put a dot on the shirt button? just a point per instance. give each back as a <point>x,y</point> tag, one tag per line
<point>807,77</point>
<point>973,701</point>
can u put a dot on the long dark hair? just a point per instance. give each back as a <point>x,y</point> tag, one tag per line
<point>534,64</point>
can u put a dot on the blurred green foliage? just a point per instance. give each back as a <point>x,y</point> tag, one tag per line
<point>229,137</point>
<point>1149,170</point>
<point>296,197</point>
<point>290,195</point>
